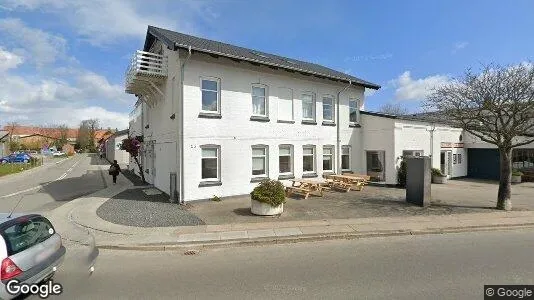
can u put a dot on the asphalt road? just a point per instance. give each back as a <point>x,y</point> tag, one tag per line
<point>450,266</point>
<point>49,186</point>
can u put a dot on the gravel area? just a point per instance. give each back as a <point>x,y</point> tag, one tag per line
<point>134,208</point>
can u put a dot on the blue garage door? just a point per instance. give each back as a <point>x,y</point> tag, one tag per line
<point>483,163</point>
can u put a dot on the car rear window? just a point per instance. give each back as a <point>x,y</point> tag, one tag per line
<point>26,233</point>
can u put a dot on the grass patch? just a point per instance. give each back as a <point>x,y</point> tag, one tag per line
<point>6,169</point>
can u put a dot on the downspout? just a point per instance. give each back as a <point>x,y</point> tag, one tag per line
<point>433,128</point>
<point>338,141</point>
<point>181,129</point>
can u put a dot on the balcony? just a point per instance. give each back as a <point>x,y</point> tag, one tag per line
<point>145,73</point>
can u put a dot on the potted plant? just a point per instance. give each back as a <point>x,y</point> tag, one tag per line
<point>268,198</point>
<point>516,176</point>
<point>438,177</point>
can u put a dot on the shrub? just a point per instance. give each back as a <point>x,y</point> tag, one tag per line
<point>401,174</point>
<point>436,172</point>
<point>517,173</point>
<point>271,192</point>
<point>215,198</point>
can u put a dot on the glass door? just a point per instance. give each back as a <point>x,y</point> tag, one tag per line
<point>376,165</point>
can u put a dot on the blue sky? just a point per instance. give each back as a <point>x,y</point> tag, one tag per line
<point>64,61</point>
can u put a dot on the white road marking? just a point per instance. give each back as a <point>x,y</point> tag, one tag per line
<point>42,185</point>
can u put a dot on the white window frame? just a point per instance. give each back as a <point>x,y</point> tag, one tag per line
<point>218,157</point>
<point>332,155</point>
<point>218,81</point>
<point>291,160</point>
<point>265,100</point>
<point>332,108</point>
<point>265,156</point>
<point>350,157</point>
<point>314,154</point>
<point>357,110</point>
<point>314,104</point>
<point>459,158</point>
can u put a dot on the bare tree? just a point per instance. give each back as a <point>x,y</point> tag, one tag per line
<point>87,133</point>
<point>497,106</point>
<point>396,109</point>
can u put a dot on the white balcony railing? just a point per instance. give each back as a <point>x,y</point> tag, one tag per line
<point>145,68</point>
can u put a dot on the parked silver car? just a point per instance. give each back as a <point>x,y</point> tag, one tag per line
<point>30,250</point>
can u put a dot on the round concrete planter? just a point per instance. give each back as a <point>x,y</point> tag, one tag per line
<point>516,179</point>
<point>264,209</point>
<point>439,179</point>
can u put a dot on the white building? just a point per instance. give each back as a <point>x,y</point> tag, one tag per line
<point>222,118</point>
<point>113,151</point>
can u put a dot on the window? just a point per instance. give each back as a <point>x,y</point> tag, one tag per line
<point>328,158</point>
<point>308,107</point>
<point>259,160</point>
<point>345,158</point>
<point>328,108</point>
<point>285,104</point>
<point>308,159</point>
<point>26,233</point>
<point>210,162</point>
<point>412,153</point>
<point>285,159</point>
<point>459,158</point>
<point>259,100</point>
<point>454,159</point>
<point>210,95</point>
<point>353,110</point>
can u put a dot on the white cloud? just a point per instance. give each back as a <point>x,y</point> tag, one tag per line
<point>36,45</point>
<point>9,60</point>
<point>407,88</point>
<point>102,22</point>
<point>459,46</point>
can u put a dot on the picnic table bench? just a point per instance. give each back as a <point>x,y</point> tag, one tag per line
<point>305,188</point>
<point>347,182</point>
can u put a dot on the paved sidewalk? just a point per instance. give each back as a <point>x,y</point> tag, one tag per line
<point>74,219</point>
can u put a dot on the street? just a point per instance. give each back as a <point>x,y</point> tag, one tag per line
<point>449,266</point>
<point>49,186</point>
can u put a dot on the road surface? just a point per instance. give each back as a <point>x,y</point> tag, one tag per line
<point>49,186</point>
<point>449,266</point>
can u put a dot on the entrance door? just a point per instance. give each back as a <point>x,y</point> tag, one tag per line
<point>446,162</point>
<point>149,168</point>
<point>376,165</point>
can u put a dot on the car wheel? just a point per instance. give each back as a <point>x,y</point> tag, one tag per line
<point>26,161</point>
<point>3,162</point>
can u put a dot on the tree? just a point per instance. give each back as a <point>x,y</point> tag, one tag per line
<point>396,109</point>
<point>87,133</point>
<point>132,146</point>
<point>497,106</point>
<point>62,139</point>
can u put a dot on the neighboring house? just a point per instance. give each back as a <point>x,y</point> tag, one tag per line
<point>222,118</point>
<point>4,143</point>
<point>112,148</point>
<point>101,135</point>
<point>39,137</point>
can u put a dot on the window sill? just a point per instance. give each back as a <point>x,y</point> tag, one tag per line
<point>260,118</point>
<point>289,176</point>
<point>286,121</point>
<point>328,123</point>
<point>309,122</point>
<point>309,175</point>
<point>347,171</point>
<point>258,179</point>
<point>329,172</point>
<point>209,115</point>
<point>355,125</point>
<point>209,183</point>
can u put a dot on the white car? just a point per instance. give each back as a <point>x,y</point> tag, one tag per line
<point>58,153</point>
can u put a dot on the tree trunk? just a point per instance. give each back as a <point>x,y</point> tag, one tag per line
<point>505,187</point>
<point>140,168</point>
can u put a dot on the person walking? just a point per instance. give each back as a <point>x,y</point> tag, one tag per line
<point>114,170</point>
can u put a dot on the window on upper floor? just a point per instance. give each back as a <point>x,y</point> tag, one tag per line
<point>353,111</point>
<point>210,88</point>
<point>308,107</point>
<point>328,108</point>
<point>259,101</point>
<point>328,158</point>
<point>260,156</point>
<point>285,104</point>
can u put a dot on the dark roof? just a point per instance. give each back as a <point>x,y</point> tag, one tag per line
<point>175,40</point>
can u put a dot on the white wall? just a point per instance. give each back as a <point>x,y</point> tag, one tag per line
<point>236,133</point>
<point>378,135</point>
<point>136,129</point>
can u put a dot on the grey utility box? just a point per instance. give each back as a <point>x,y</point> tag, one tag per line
<point>418,180</point>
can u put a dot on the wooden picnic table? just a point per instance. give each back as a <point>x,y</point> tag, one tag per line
<point>306,187</point>
<point>346,182</point>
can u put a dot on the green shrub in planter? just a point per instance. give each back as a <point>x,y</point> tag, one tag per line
<point>401,174</point>
<point>271,192</point>
<point>437,172</point>
<point>517,173</point>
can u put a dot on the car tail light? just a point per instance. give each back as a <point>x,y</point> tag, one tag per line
<point>9,269</point>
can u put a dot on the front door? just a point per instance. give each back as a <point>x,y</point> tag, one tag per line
<point>446,162</point>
